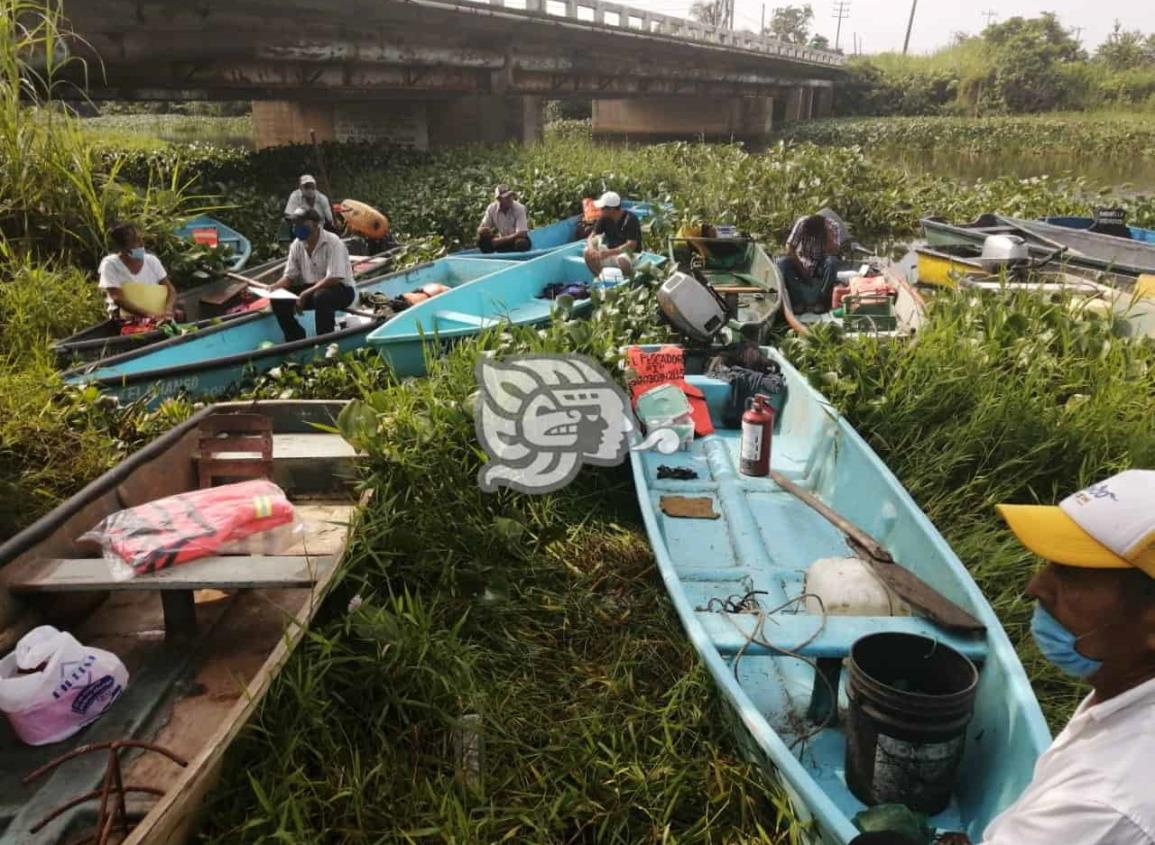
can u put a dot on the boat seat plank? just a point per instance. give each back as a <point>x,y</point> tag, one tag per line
<point>222,296</point>
<point>806,635</point>
<point>308,445</point>
<point>233,572</point>
<point>467,319</point>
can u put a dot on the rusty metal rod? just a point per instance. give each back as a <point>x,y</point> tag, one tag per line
<point>101,746</point>
<point>88,796</point>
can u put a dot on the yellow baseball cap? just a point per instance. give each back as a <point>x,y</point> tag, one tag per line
<point>1109,525</point>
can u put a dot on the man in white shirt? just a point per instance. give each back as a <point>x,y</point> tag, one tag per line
<point>131,264</point>
<point>319,271</point>
<point>307,196</point>
<point>504,227</point>
<point>1095,620</point>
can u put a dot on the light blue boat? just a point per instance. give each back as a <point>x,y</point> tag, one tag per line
<point>512,296</point>
<point>225,236</point>
<point>213,360</point>
<point>765,539</point>
<point>547,238</point>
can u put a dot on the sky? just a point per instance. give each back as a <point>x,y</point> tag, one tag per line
<point>881,24</point>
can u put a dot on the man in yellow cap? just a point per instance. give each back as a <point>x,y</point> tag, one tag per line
<point>1095,620</point>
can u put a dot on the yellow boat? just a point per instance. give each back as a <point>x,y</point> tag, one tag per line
<point>936,267</point>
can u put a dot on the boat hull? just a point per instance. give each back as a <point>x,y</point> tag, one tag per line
<point>193,698</point>
<point>510,297</point>
<point>764,539</point>
<point>1087,250</point>
<point>226,236</point>
<point>215,360</point>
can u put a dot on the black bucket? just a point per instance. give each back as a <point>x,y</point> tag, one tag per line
<point>910,701</point>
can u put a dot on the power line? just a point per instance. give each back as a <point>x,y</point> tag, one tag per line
<point>841,11</point>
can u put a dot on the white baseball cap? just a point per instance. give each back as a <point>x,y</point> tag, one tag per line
<point>307,180</point>
<point>1109,525</point>
<point>608,200</point>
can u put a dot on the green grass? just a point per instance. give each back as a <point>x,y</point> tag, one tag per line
<point>154,131</point>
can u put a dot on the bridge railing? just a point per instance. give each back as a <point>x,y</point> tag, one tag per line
<point>619,16</point>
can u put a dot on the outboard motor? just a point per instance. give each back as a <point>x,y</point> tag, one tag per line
<point>691,306</point>
<point>1007,252</point>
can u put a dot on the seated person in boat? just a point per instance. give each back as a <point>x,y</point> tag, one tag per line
<point>504,227</point>
<point>307,196</point>
<point>1094,620</point>
<point>319,271</point>
<point>616,239</point>
<point>810,266</point>
<point>132,265</point>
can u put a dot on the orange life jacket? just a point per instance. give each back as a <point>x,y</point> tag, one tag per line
<point>177,529</point>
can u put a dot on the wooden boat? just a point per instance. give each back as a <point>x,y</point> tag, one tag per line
<point>511,296</point>
<point>204,306</point>
<point>214,359</point>
<point>767,657</point>
<point>199,668</point>
<point>1080,248</point>
<point>742,273</point>
<point>208,231</point>
<point>546,239</point>
<point>900,316</point>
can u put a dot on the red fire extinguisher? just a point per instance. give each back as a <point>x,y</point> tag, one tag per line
<point>757,429</point>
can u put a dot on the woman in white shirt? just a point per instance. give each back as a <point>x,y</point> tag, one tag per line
<point>132,264</point>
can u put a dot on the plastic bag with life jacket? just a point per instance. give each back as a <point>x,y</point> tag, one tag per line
<point>51,686</point>
<point>179,529</point>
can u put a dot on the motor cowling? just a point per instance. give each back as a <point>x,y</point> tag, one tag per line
<point>1004,252</point>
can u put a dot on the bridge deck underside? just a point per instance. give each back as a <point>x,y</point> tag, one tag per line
<point>254,49</point>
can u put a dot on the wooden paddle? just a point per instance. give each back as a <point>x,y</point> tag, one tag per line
<point>905,584</point>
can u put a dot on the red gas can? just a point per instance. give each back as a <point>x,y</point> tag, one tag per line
<point>757,429</point>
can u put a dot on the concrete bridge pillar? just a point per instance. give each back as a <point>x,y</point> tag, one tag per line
<point>685,116</point>
<point>799,102</point>
<point>823,102</point>
<point>447,122</point>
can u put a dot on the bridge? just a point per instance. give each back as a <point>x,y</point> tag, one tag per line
<point>444,72</point>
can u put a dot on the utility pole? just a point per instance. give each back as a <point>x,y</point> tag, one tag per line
<point>909,26</point>
<point>1076,33</point>
<point>841,11</point>
<point>762,30</point>
<point>990,15</point>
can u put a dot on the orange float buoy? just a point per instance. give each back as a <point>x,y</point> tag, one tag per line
<point>364,219</point>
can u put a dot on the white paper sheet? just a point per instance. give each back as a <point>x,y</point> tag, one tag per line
<point>279,293</point>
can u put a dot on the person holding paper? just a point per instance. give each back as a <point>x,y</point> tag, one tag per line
<point>319,272</point>
<point>129,278</point>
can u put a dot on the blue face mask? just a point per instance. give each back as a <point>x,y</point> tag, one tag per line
<point>1058,645</point>
<point>302,233</point>
<point>137,253</point>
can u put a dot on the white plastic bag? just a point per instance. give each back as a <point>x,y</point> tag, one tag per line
<point>66,685</point>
